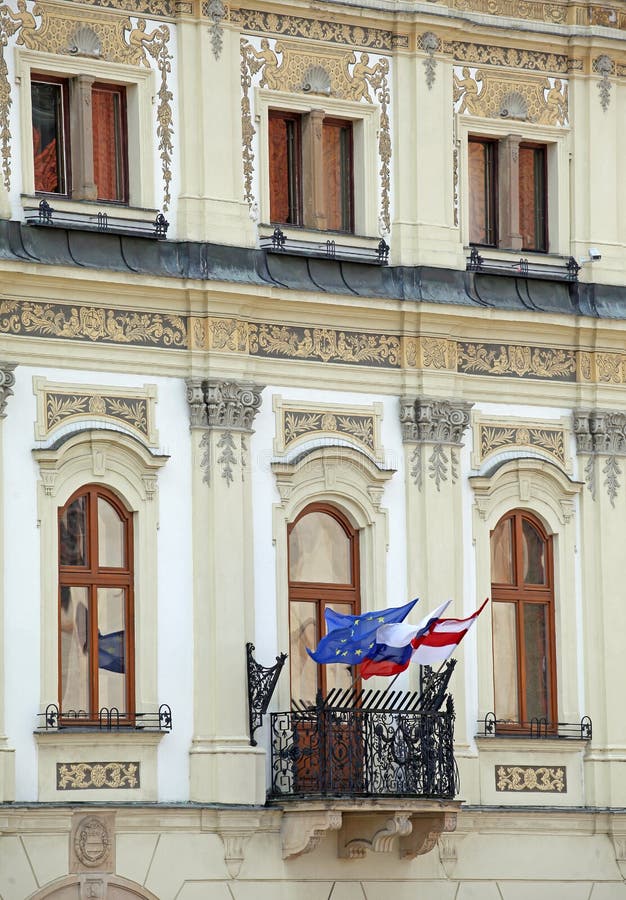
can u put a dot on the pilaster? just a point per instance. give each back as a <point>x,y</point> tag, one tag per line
<point>7,753</point>
<point>83,186</point>
<point>432,432</point>
<point>224,767</point>
<point>510,237</point>
<point>601,446</point>
<point>313,158</point>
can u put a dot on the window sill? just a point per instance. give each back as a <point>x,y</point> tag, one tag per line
<point>101,216</point>
<point>290,241</point>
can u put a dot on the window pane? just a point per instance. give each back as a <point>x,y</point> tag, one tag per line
<point>74,631</point>
<point>73,534</point>
<point>502,571</point>
<point>337,151</point>
<point>108,143</point>
<point>482,186</point>
<point>48,137</point>
<point>284,162</point>
<point>303,634</point>
<point>339,676</point>
<point>536,651</point>
<point>111,533</point>
<point>112,648</point>
<point>534,560</point>
<point>532,198</point>
<point>319,550</point>
<point>505,661</point>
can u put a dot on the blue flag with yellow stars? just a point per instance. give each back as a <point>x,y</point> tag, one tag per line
<point>351,637</point>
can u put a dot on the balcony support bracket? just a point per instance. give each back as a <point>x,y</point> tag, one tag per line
<point>378,832</point>
<point>302,831</point>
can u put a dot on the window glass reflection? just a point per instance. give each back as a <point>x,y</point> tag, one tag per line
<point>319,550</point>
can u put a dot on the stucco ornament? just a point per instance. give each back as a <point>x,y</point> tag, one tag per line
<point>92,842</point>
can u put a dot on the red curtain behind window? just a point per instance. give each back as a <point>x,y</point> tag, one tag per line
<point>279,169</point>
<point>527,198</point>
<point>106,143</point>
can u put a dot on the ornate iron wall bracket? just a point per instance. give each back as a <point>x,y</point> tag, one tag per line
<point>262,681</point>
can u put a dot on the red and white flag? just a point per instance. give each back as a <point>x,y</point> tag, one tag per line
<point>442,639</point>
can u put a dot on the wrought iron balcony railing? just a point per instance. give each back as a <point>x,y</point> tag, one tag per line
<point>537,728</point>
<point>374,744</point>
<point>53,719</point>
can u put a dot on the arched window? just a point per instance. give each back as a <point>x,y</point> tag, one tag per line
<point>323,564</point>
<point>95,605</point>
<point>522,593</point>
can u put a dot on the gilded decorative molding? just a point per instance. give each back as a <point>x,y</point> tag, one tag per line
<point>494,436</point>
<point>437,353</point>
<point>516,361</point>
<point>434,421</point>
<point>133,409</point>
<point>311,29</point>
<point>7,383</point>
<point>455,183</point>
<point>497,94</point>
<point>604,67</point>
<point>83,776</point>
<point>508,57</point>
<point>104,325</point>
<point>531,779</point>
<point>324,344</point>
<point>166,9</point>
<point>346,76</point>
<point>299,422</point>
<point>540,10</point>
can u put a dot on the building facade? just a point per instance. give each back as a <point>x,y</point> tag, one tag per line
<point>309,308</point>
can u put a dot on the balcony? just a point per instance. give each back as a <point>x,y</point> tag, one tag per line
<point>376,766</point>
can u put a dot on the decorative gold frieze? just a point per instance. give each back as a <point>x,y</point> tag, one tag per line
<point>91,776</point>
<point>493,436</point>
<point>516,361</point>
<point>311,29</point>
<point>493,94</point>
<point>324,344</point>
<point>509,57</point>
<point>58,404</point>
<point>540,10</point>
<point>91,323</point>
<point>297,422</point>
<point>531,779</point>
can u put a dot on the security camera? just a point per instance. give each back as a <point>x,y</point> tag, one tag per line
<point>594,254</point>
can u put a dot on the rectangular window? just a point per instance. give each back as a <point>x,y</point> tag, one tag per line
<point>482,165</point>
<point>532,197</point>
<point>337,168</point>
<point>285,164</point>
<point>49,98</point>
<point>109,142</point>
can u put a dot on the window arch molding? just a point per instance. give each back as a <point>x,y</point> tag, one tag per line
<point>347,480</point>
<point>129,471</point>
<point>543,490</point>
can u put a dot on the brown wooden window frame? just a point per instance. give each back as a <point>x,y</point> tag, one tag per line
<point>73,140</point>
<point>92,576</point>
<point>294,164</point>
<point>490,190</point>
<point>497,199</point>
<point>541,195</point>
<point>63,83</point>
<point>324,593</point>
<point>309,175</point>
<point>520,594</point>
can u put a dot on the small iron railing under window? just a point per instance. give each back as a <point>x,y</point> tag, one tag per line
<point>103,222</point>
<point>53,719</point>
<point>539,728</point>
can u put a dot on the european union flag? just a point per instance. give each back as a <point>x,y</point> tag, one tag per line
<point>350,638</point>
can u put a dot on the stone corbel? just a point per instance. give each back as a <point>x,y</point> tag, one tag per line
<point>235,829</point>
<point>415,835</point>
<point>301,832</point>
<point>425,833</point>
